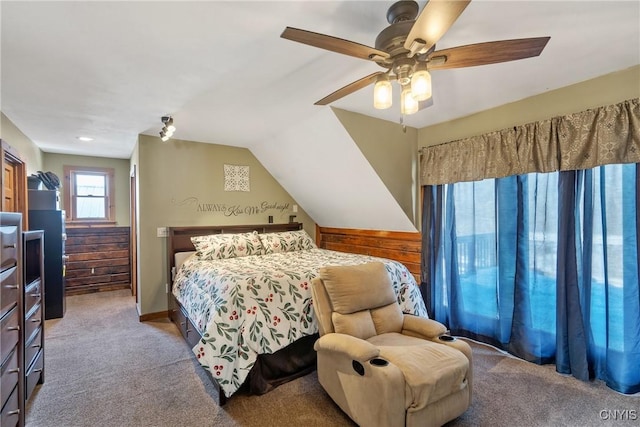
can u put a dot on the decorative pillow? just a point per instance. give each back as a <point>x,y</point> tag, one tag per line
<point>286,241</point>
<point>223,246</point>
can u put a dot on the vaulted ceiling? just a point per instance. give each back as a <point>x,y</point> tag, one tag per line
<point>109,70</point>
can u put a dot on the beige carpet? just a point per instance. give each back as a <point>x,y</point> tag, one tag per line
<point>104,368</point>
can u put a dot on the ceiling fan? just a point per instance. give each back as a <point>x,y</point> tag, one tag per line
<point>406,49</point>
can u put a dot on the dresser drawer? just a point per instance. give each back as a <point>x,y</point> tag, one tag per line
<point>11,411</point>
<point>9,333</point>
<point>32,322</point>
<point>8,245</point>
<point>32,295</point>
<point>8,290</point>
<point>180,321</point>
<point>35,375</point>
<point>9,377</point>
<point>189,333</point>
<point>32,348</point>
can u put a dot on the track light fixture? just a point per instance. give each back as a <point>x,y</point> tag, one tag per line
<point>168,129</point>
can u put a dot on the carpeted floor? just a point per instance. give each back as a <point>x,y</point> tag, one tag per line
<point>104,368</point>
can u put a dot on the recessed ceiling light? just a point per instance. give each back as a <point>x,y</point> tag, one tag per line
<point>85,138</point>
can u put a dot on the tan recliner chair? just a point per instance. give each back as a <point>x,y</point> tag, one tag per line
<point>381,366</point>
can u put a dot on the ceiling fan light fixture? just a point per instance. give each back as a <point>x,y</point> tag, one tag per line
<point>421,82</point>
<point>408,104</point>
<point>382,93</point>
<point>405,47</point>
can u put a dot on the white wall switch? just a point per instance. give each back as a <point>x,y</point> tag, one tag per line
<point>295,208</point>
<point>162,232</point>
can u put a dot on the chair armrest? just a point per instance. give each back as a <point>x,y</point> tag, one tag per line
<point>352,347</point>
<point>422,327</point>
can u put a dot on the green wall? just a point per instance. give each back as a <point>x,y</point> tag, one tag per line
<point>181,183</point>
<point>55,163</point>
<point>391,151</point>
<point>605,90</point>
<point>30,154</point>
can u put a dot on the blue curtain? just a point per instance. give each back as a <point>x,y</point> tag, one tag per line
<point>544,266</point>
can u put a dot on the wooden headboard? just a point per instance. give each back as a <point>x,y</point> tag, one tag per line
<point>404,247</point>
<point>179,238</point>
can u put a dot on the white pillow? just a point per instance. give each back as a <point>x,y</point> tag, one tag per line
<point>286,241</point>
<point>223,246</point>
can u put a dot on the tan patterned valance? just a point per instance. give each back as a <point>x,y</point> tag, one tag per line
<point>584,140</point>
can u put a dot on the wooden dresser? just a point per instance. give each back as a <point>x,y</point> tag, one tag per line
<point>33,279</point>
<point>11,321</point>
<point>21,316</point>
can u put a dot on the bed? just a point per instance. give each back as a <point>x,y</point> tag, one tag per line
<point>245,306</point>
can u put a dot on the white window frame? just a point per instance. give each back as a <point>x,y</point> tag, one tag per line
<point>70,196</point>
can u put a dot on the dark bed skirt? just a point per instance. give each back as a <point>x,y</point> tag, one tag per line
<point>269,371</point>
<point>287,364</point>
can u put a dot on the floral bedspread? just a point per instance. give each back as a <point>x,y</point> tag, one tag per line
<point>257,304</point>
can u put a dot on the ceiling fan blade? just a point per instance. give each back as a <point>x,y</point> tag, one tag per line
<point>434,20</point>
<point>350,88</point>
<point>487,53</point>
<point>333,44</point>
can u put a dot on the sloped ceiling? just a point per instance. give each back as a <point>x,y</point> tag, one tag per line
<point>109,70</point>
<point>328,175</point>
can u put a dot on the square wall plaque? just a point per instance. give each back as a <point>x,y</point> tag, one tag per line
<point>236,178</point>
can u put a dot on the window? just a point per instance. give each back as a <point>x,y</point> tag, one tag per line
<point>543,265</point>
<point>89,194</point>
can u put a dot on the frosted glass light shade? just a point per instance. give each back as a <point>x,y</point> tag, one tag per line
<point>421,85</point>
<point>382,93</point>
<point>408,104</point>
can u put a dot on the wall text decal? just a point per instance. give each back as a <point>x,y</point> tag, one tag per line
<point>233,209</point>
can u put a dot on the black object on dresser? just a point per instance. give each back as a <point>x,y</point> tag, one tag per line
<point>44,200</point>
<point>52,222</point>
<point>11,321</point>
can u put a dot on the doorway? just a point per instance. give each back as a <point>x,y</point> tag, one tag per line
<point>134,233</point>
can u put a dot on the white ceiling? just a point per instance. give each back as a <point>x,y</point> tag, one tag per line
<point>110,70</point>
